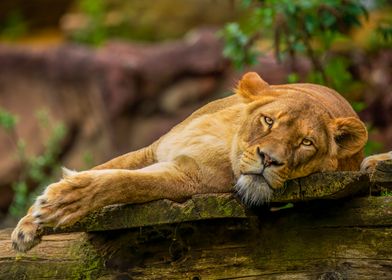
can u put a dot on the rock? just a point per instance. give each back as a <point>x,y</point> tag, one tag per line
<point>159,65</point>
<point>185,92</point>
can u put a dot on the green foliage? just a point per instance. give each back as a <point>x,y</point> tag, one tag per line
<point>358,106</point>
<point>104,20</point>
<point>237,42</point>
<point>301,27</point>
<point>7,120</point>
<point>95,32</point>
<point>386,193</point>
<point>292,78</point>
<point>372,147</point>
<point>88,159</point>
<point>14,26</point>
<point>37,170</point>
<point>384,29</point>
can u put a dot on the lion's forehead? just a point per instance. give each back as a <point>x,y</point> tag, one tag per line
<point>301,125</point>
<point>296,106</point>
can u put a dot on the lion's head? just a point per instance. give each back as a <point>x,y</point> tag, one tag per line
<point>292,131</point>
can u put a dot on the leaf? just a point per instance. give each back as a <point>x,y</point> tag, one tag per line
<point>292,78</point>
<point>327,19</point>
<point>372,147</point>
<point>246,3</point>
<point>299,47</point>
<point>236,47</point>
<point>310,23</point>
<point>358,106</point>
<point>290,8</point>
<point>7,120</point>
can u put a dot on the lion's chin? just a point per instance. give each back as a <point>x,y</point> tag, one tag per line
<point>253,189</point>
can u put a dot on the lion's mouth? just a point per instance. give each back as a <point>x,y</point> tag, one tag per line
<point>254,189</point>
<point>258,174</point>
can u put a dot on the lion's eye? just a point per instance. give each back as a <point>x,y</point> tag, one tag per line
<point>306,142</point>
<point>269,121</point>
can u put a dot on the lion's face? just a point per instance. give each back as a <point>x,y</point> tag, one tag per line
<point>286,136</point>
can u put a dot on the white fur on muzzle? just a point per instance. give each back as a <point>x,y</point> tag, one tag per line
<point>253,190</point>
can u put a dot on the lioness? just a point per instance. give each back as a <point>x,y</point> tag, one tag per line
<point>255,139</point>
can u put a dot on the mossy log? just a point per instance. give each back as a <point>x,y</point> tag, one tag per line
<point>316,240</point>
<point>216,237</point>
<point>325,186</point>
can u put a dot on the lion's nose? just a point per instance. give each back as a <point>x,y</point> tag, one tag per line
<point>268,160</point>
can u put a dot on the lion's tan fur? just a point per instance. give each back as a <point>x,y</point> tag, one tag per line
<point>210,150</point>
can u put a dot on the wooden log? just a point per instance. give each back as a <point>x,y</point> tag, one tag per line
<point>382,173</point>
<point>213,236</point>
<point>314,240</point>
<point>204,206</point>
<point>328,185</point>
<point>331,185</point>
<point>58,257</point>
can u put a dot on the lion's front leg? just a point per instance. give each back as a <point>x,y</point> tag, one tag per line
<point>65,202</point>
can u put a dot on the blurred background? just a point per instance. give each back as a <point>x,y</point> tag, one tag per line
<point>82,81</point>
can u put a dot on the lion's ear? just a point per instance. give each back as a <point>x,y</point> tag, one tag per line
<point>350,136</point>
<point>251,86</point>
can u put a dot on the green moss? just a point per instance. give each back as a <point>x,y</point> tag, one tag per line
<point>91,263</point>
<point>386,193</point>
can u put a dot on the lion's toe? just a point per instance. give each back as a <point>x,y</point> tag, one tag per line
<point>25,236</point>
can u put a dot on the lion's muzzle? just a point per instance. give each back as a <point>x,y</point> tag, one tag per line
<point>253,189</point>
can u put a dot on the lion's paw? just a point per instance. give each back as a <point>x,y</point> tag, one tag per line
<point>369,163</point>
<point>65,202</point>
<point>26,234</point>
<point>62,204</point>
